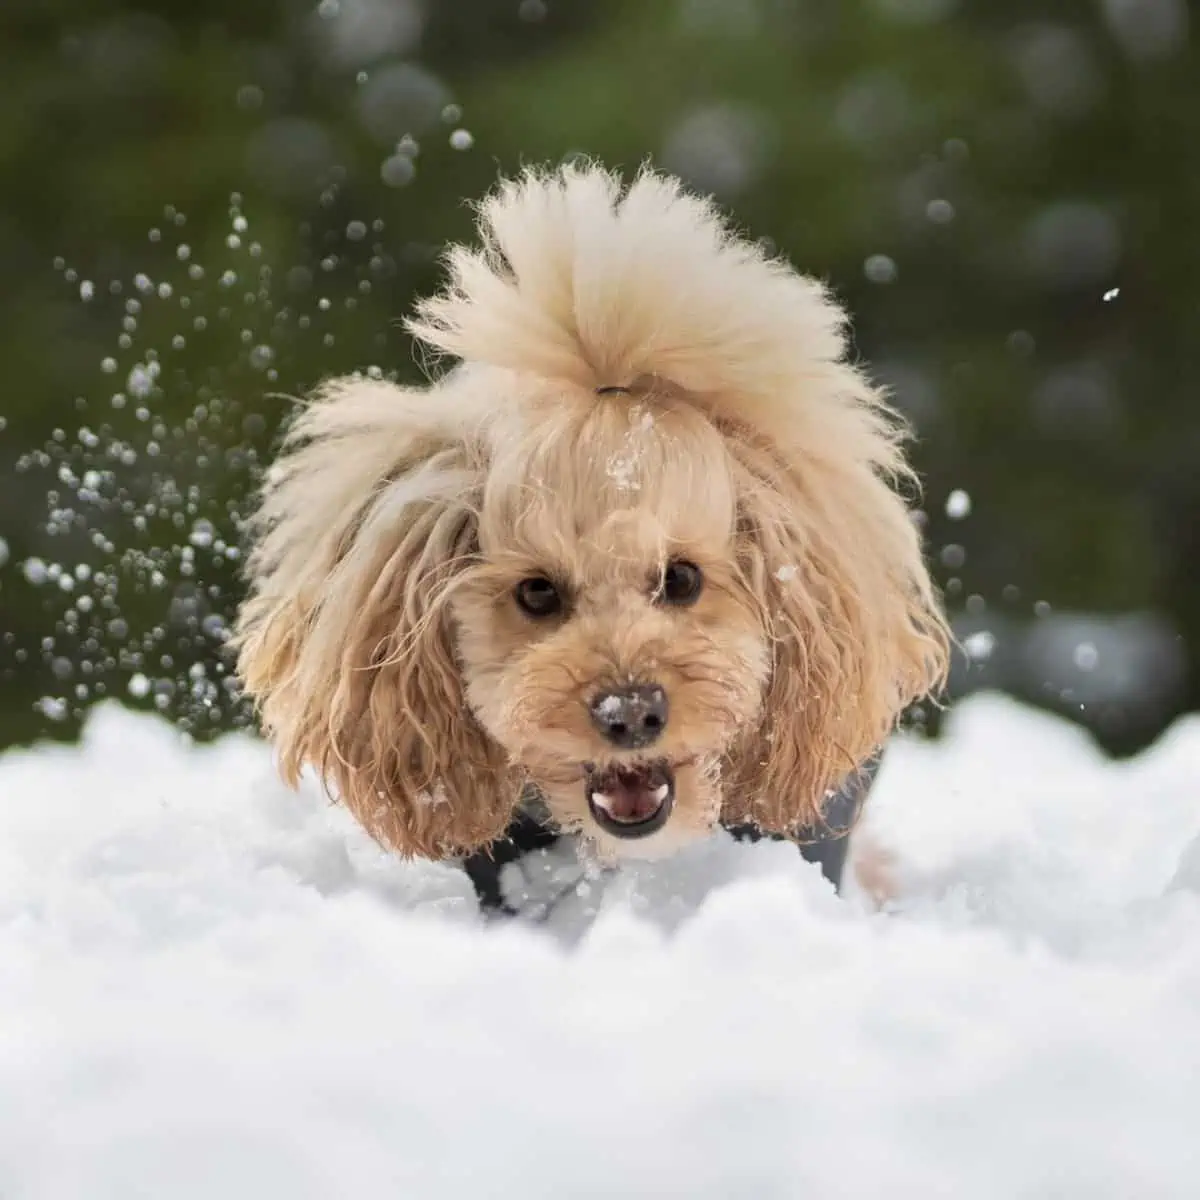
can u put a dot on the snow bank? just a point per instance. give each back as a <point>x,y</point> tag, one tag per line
<point>211,987</point>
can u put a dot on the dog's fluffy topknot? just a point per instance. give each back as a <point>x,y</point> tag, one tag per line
<point>583,280</point>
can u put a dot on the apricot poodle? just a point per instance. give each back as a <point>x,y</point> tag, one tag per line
<point>641,550</point>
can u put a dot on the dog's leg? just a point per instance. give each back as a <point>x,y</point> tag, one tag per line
<point>827,844</point>
<point>525,833</point>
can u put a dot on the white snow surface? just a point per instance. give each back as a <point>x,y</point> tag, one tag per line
<point>213,987</point>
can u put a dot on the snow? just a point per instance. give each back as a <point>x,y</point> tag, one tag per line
<point>210,986</point>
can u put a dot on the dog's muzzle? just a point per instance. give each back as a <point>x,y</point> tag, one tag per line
<point>630,800</point>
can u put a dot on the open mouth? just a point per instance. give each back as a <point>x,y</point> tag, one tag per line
<point>630,800</point>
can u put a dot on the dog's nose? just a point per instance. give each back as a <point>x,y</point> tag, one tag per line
<point>631,717</point>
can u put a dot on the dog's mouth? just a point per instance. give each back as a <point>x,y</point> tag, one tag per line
<point>630,800</point>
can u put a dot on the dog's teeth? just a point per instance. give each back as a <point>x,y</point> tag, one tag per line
<point>601,799</point>
<point>660,792</point>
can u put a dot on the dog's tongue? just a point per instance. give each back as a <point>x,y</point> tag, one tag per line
<point>629,795</point>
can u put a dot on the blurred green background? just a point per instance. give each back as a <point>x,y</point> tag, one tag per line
<point>207,207</point>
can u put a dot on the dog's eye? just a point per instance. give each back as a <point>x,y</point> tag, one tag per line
<point>681,583</point>
<point>538,597</point>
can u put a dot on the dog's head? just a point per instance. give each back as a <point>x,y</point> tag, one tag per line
<point>640,548</point>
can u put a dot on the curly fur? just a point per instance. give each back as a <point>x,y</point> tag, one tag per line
<point>380,637</point>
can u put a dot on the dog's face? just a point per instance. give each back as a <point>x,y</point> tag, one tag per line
<point>608,639</point>
<point>650,614</point>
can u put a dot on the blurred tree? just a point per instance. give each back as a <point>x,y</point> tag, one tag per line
<point>243,198</point>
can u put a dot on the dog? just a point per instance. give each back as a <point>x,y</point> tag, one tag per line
<point>640,555</point>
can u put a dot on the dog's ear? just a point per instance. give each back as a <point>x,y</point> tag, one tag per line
<point>366,523</point>
<point>835,565</point>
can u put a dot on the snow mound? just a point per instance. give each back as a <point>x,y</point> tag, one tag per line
<point>210,986</point>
